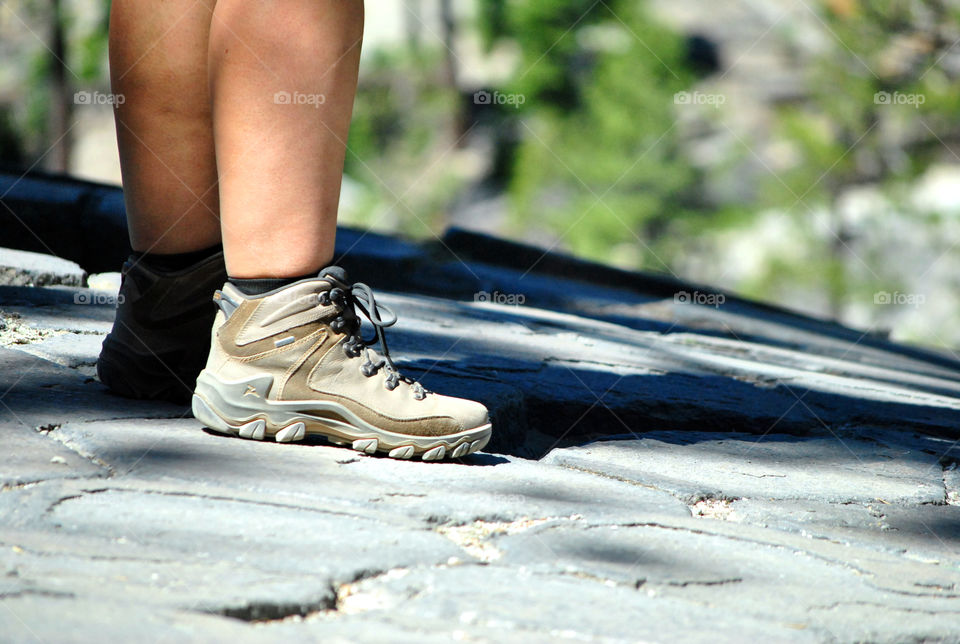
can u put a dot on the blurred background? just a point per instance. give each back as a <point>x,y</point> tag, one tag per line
<point>803,152</point>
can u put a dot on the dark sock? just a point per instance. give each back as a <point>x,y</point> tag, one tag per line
<point>171,263</point>
<point>261,285</point>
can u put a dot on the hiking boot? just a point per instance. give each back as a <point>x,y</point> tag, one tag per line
<point>292,363</point>
<point>160,337</point>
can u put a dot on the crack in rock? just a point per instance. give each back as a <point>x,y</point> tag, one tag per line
<point>269,611</point>
<point>352,599</point>
<point>720,535</point>
<point>210,497</point>
<point>950,497</point>
<point>14,332</point>
<point>37,592</point>
<point>905,609</point>
<point>83,556</point>
<point>864,573</point>
<point>622,479</point>
<point>21,485</point>
<point>93,458</point>
<point>695,582</point>
<point>935,586</point>
<point>474,538</point>
<point>721,509</point>
<point>343,598</point>
<point>63,499</point>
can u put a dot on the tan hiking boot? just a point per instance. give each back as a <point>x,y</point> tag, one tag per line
<point>292,363</point>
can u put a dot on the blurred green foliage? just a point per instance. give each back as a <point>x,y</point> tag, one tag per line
<point>403,127</point>
<point>877,108</point>
<point>29,131</point>
<point>599,164</point>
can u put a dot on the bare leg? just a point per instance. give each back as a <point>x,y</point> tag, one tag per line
<point>158,62</point>
<point>281,163</point>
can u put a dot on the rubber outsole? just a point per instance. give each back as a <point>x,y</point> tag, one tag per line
<point>259,426</point>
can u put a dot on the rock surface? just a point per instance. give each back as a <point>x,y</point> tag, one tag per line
<point>23,268</point>
<point>662,471</point>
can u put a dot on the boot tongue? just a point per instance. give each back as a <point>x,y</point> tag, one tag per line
<point>336,273</point>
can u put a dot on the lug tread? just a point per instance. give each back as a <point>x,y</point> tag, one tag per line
<point>295,432</point>
<point>404,452</point>
<point>255,429</point>
<point>366,445</point>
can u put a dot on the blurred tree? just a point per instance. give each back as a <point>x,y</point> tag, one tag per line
<point>879,106</point>
<point>599,164</point>
<point>73,57</point>
<point>11,145</point>
<point>406,122</point>
<point>61,98</point>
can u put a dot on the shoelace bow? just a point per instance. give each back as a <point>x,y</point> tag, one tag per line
<point>349,298</point>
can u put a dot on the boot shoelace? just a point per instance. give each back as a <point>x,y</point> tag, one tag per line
<point>349,298</point>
